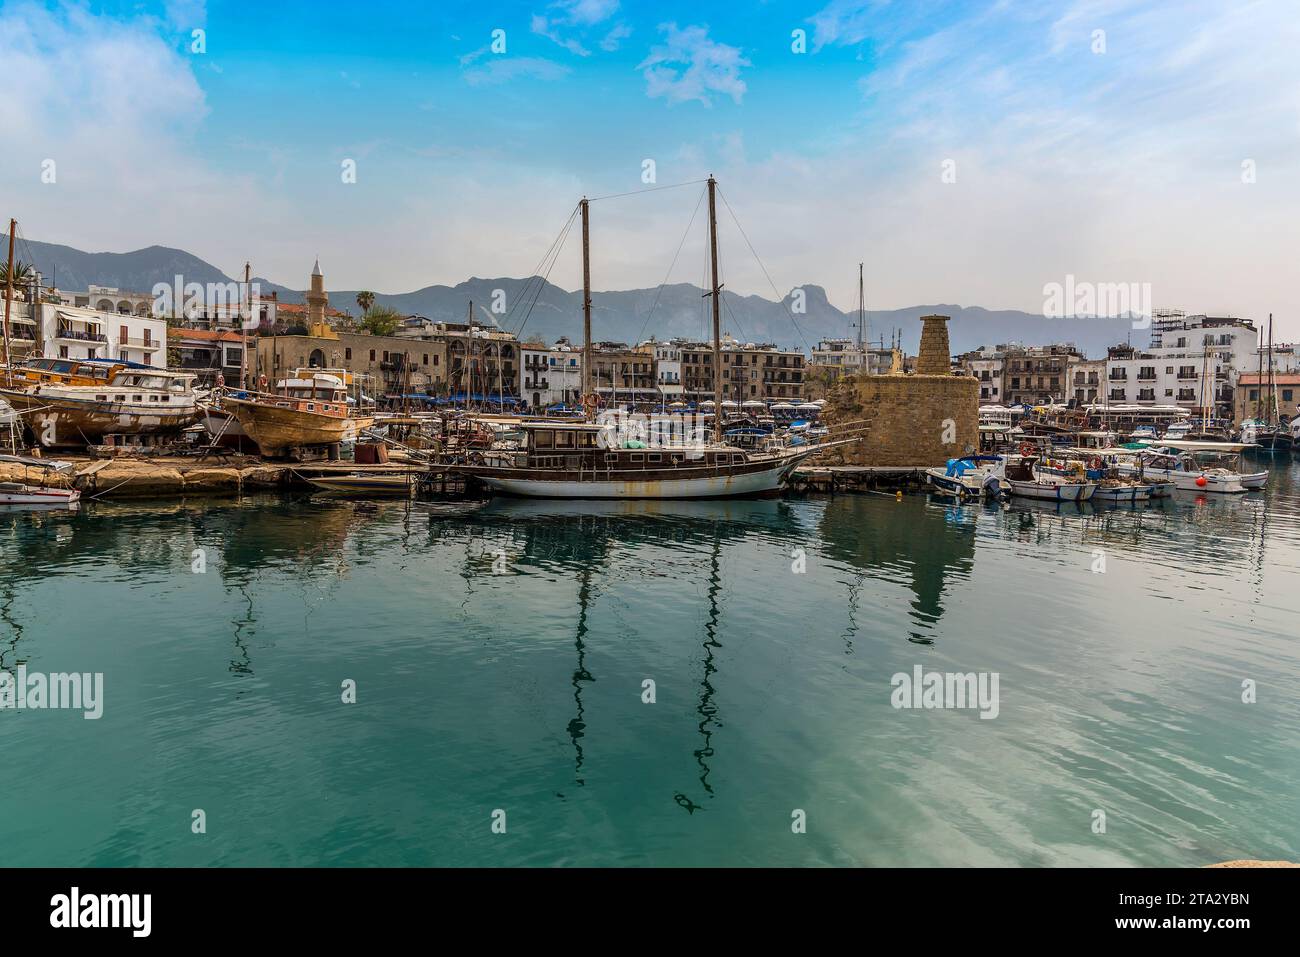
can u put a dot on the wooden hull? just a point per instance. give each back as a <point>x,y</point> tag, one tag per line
<point>752,478</point>
<point>279,431</point>
<point>61,421</point>
<point>364,484</point>
<point>1053,491</point>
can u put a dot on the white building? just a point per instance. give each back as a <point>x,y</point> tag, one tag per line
<point>69,332</point>
<point>551,376</point>
<point>986,364</point>
<point>843,357</point>
<point>668,367</point>
<point>1193,361</point>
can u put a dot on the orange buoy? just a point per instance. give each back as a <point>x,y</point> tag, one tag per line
<point>1200,481</point>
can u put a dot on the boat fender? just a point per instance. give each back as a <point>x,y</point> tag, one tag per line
<point>1201,482</point>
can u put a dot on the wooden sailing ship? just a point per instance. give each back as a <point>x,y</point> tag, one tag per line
<point>587,460</point>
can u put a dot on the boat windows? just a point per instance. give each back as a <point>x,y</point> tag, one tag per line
<point>543,440</point>
<point>564,440</point>
<point>737,459</point>
<point>119,398</point>
<point>611,458</point>
<point>311,406</point>
<point>654,457</point>
<point>101,398</point>
<point>137,398</point>
<point>637,458</point>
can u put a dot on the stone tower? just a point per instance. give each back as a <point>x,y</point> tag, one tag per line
<point>317,299</point>
<point>933,359</point>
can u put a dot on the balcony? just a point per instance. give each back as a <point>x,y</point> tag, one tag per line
<point>1118,376</point>
<point>69,334</point>
<point>1146,377</point>
<point>150,344</point>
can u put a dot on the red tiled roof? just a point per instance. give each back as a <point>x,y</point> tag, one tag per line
<point>211,335</point>
<point>1279,378</point>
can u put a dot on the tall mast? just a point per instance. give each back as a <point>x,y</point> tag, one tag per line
<point>243,327</point>
<point>862,306</point>
<point>9,288</point>
<point>586,311</point>
<point>717,307</point>
<point>1272,391</point>
<point>1259,384</point>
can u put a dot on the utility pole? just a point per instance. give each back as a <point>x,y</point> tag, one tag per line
<point>862,306</point>
<point>717,316</point>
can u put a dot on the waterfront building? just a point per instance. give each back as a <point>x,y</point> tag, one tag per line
<point>481,360</point>
<point>1252,397</point>
<point>845,357</point>
<point>551,375</point>
<point>668,367</point>
<point>1035,375</point>
<point>620,374</point>
<point>986,364</point>
<point>208,353</point>
<point>1086,380</point>
<point>390,366</point>
<point>1192,362</point>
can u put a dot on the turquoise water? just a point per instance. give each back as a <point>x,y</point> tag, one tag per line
<point>499,664</point>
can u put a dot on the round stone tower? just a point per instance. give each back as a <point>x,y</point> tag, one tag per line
<point>933,359</point>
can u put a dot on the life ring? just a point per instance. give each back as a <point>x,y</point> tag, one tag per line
<point>1095,462</point>
<point>1028,449</point>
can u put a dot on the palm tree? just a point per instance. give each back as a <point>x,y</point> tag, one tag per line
<point>23,273</point>
<point>365,300</point>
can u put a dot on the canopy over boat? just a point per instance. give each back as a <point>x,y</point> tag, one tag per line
<point>1183,445</point>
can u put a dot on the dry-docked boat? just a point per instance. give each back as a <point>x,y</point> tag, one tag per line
<point>307,411</point>
<point>38,370</point>
<point>134,401</point>
<point>363,484</point>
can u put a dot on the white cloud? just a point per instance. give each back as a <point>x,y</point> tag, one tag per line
<point>505,69</point>
<point>543,27</point>
<point>691,67</point>
<point>611,40</point>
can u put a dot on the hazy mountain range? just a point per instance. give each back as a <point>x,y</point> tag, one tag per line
<point>534,307</point>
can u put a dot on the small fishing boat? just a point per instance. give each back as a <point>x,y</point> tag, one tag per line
<point>362,484</point>
<point>1024,480</point>
<point>973,476</point>
<point>1194,466</point>
<point>42,494</point>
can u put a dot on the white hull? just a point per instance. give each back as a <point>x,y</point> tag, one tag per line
<point>717,486</point>
<point>1187,481</point>
<point>1053,491</point>
<point>40,496</point>
<point>1126,494</point>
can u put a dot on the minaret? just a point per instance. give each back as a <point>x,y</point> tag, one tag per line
<point>933,358</point>
<point>317,299</point>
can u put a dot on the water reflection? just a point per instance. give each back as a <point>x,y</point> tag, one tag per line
<point>913,539</point>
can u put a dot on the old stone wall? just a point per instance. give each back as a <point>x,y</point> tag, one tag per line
<point>910,416</point>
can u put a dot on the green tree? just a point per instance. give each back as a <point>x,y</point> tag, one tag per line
<point>381,321</point>
<point>365,300</point>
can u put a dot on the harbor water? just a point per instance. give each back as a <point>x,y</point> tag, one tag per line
<point>632,683</point>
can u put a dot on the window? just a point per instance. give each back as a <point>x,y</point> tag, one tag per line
<point>1287,395</point>
<point>564,440</point>
<point>637,458</point>
<point>1254,395</point>
<point>426,358</point>
<point>654,457</point>
<point>385,356</point>
<point>372,355</point>
<point>311,406</point>
<point>347,354</point>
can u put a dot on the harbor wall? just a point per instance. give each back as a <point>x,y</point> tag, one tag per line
<point>922,419</point>
<point>913,420</point>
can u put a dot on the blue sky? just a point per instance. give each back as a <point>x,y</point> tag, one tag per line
<point>1113,156</point>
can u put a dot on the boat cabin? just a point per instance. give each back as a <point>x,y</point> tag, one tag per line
<point>573,446</point>
<point>67,371</point>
